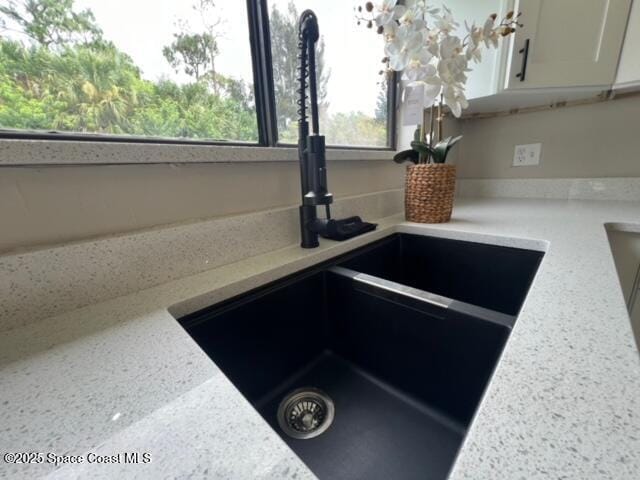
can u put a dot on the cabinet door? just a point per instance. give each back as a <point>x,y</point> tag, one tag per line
<point>571,43</point>
<point>629,68</point>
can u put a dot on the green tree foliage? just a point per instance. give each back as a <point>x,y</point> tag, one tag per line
<point>50,22</point>
<point>98,89</point>
<point>193,52</point>
<point>70,79</point>
<point>382,101</point>
<point>191,111</point>
<point>284,48</point>
<point>355,128</point>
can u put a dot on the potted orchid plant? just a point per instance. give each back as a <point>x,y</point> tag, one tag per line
<point>423,43</point>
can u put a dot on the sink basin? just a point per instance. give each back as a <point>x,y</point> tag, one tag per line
<point>625,247</point>
<point>489,276</point>
<point>401,370</point>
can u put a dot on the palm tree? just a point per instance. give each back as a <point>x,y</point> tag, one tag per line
<point>99,87</point>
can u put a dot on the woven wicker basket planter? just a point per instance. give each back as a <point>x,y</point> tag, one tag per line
<point>429,192</point>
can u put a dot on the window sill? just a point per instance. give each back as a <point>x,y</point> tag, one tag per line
<point>19,152</point>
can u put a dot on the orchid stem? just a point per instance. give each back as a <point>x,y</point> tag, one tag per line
<point>440,129</point>
<point>423,134</point>
<point>431,131</point>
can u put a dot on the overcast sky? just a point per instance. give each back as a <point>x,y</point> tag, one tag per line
<point>142,27</point>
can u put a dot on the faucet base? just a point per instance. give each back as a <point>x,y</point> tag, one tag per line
<point>339,230</point>
<point>308,217</point>
<point>346,228</point>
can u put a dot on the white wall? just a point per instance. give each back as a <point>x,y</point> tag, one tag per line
<point>596,140</point>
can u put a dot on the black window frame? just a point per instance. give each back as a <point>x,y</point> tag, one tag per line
<point>264,93</point>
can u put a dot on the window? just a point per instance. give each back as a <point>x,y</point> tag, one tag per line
<point>183,71</point>
<point>161,68</point>
<point>352,94</point>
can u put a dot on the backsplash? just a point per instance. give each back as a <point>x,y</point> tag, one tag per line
<point>621,189</point>
<point>43,206</point>
<point>598,140</point>
<point>46,282</point>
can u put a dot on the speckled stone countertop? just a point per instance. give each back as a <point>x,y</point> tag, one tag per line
<point>123,376</point>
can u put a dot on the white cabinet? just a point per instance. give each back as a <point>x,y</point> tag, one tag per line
<point>572,48</point>
<point>629,69</point>
<point>571,43</point>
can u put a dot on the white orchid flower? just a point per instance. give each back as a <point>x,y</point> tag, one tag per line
<point>459,68</point>
<point>417,72</point>
<point>452,71</point>
<point>488,25</point>
<point>420,42</point>
<point>401,49</point>
<point>450,45</point>
<point>445,22</point>
<point>488,32</point>
<point>454,98</point>
<point>475,34</point>
<point>432,45</point>
<point>411,20</point>
<point>422,55</point>
<point>390,30</point>
<point>389,11</point>
<point>493,38</point>
<point>444,71</point>
<point>423,6</point>
<point>432,89</point>
<point>473,53</point>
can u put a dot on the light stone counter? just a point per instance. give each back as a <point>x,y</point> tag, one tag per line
<point>123,376</point>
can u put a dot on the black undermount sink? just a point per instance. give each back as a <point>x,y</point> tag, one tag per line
<point>389,348</point>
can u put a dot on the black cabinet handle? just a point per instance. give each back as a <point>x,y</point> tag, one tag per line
<point>525,56</point>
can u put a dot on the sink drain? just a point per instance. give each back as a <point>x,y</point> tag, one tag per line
<point>305,413</point>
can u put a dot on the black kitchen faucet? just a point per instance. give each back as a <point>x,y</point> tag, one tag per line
<point>311,151</point>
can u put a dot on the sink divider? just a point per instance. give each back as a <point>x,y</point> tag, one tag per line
<point>422,300</point>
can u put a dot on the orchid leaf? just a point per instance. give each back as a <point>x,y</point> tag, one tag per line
<point>441,150</point>
<point>424,149</point>
<point>421,147</point>
<point>406,156</point>
<point>421,150</point>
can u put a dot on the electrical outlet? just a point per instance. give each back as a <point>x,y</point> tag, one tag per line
<point>527,155</point>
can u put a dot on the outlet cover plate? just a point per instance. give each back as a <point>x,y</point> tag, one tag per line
<point>527,155</point>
